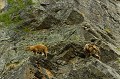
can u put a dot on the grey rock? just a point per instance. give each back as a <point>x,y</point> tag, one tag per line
<point>64,26</point>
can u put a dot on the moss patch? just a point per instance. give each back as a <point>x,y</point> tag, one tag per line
<point>12,14</point>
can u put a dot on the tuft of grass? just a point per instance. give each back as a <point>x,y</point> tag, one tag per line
<point>27,29</point>
<point>118,60</point>
<point>14,8</point>
<point>118,48</point>
<point>108,30</point>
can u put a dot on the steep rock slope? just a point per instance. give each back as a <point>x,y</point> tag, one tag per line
<point>65,26</point>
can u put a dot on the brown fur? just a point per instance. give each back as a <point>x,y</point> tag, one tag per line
<point>92,50</point>
<point>38,49</point>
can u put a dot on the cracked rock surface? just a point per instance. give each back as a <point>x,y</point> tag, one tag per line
<point>64,26</point>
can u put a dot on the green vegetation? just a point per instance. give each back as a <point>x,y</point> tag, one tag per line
<point>118,60</point>
<point>12,15</point>
<point>26,29</point>
<point>108,30</point>
<point>118,48</point>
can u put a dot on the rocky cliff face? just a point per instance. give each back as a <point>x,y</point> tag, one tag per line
<point>64,26</point>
